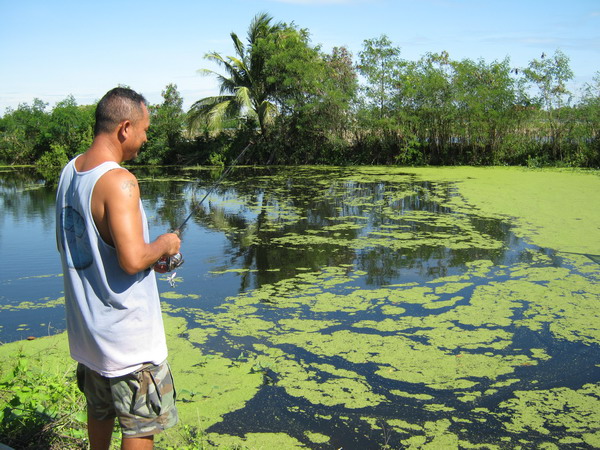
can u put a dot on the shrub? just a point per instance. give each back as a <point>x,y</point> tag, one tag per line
<point>40,409</point>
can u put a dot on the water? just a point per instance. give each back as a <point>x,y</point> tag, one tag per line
<point>378,311</point>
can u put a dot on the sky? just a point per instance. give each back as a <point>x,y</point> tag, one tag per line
<point>52,49</point>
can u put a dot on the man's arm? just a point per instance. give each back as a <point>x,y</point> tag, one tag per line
<point>116,211</point>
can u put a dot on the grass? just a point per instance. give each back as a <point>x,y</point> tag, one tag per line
<point>40,408</point>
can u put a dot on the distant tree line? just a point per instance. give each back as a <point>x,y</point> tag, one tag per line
<point>301,105</point>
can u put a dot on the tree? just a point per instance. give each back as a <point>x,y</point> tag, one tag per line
<point>315,113</point>
<point>71,127</point>
<point>342,87</point>
<point>304,88</point>
<point>23,133</point>
<point>167,121</point>
<point>379,133</point>
<point>428,93</point>
<point>244,90</point>
<point>277,81</point>
<point>550,76</point>
<point>380,64</point>
<point>484,96</point>
<point>587,129</point>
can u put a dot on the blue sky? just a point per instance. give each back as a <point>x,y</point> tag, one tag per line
<point>50,49</point>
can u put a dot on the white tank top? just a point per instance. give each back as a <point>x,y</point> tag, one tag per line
<point>114,319</point>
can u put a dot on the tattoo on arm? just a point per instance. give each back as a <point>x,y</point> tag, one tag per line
<point>128,186</point>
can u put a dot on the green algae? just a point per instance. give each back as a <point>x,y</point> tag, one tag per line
<point>213,386</point>
<point>448,356</point>
<point>451,288</point>
<point>557,209</point>
<point>317,438</point>
<point>38,304</point>
<point>172,295</point>
<point>575,412</point>
<point>435,435</point>
<point>434,363</point>
<point>339,387</point>
<point>50,352</point>
<point>255,441</point>
<point>452,232</point>
<point>404,359</point>
<point>238,271</point>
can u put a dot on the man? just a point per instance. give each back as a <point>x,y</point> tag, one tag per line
<point>112,304</point>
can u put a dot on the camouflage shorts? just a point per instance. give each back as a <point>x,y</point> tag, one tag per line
<point>143,401</point>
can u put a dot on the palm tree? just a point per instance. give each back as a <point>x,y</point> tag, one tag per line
<point>244,91</point>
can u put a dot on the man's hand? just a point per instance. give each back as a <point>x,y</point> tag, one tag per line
<point>173,243</point>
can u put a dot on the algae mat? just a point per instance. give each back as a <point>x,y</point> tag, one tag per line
<point>398,308</point>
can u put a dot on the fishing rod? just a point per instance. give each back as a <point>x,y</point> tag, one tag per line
<point>170,263</point>
<point>212,188</point>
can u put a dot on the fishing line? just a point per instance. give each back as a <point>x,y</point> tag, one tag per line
<point>211,189</point>
<point>170,263</point>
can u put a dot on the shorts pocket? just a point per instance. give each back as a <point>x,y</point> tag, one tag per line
<point>155,393</point>
<point>145,400</point>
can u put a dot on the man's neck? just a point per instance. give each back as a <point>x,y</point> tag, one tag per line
<point>102,150</point>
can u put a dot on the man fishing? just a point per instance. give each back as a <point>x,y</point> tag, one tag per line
<point>112,304</point>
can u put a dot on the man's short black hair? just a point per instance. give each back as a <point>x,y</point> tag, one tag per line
<point>117,105</point>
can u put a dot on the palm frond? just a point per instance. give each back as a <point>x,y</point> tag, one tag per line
<point>214,56</point>
<point>267,111</point>
<point>228,63</point>
<point>244,97</point>
<point>240,93</point>
<point>217,114</point>
<point>206,72</point>
<point>238,44</point>
<point>205,112</point>
<point>210,101</point>
<point>259,27</point>
<point>227,85</point>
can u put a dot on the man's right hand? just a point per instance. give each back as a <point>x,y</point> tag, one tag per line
<point>171,242</point>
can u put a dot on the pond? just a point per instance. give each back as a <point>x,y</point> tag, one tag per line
<point>332,307</point>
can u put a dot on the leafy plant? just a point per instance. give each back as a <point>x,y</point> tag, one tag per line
<point>40,409</point>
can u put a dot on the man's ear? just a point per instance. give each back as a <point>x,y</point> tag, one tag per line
<point>124,130</point>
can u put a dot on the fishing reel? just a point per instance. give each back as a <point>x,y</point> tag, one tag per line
<point>168,263</point>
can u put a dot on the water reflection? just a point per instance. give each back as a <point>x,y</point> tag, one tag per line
<point>269,224</point>
<point>309,218</point>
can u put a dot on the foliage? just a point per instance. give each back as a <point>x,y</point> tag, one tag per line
<point>71,127</point>
<point>313,91</point>
<point>312,107</point>
<point>550,77</point>
<point>380,64</point>
<point>586,131</point>
<point>244,91</point>
<point>23,132</point>
<point>485,97</point>
<point>165,135</point>
<point>51,163</point>
<point>40,409</point>
<point>29,132</point>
